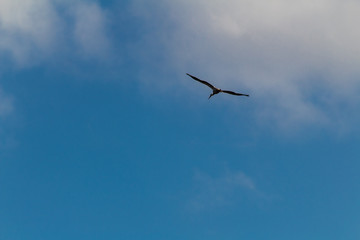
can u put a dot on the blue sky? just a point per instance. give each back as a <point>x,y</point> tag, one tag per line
<point>103,136</point>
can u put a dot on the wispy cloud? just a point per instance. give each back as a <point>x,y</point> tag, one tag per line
<point>27,28</point>
<point>90,29</point>
<point>213,192</point>
<point>7,110</point>
<point>35,30</point>
<point>299,59</point>
<point>6,104</point>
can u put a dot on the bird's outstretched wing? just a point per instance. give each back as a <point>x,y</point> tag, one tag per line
<point>202,81</point>
<point>234,93</point>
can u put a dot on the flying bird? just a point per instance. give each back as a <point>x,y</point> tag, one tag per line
<point>215,89</point>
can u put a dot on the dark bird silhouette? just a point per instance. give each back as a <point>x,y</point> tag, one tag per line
<point>216,90</point>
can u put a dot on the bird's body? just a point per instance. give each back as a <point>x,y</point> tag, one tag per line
<point>215,89</point>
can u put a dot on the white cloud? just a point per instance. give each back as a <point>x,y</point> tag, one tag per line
<point>27,28</point>
<point>300,59</point>
<point>33,30</point>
